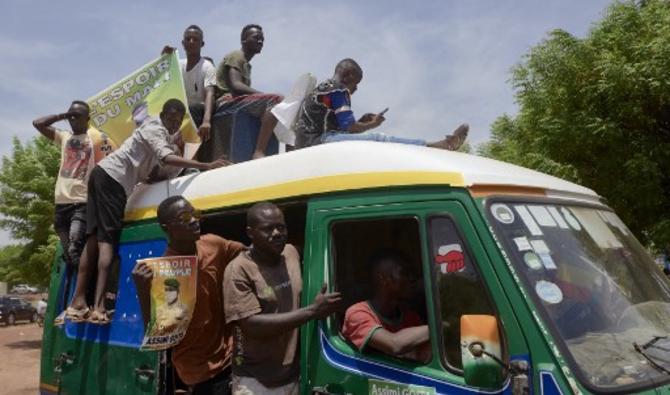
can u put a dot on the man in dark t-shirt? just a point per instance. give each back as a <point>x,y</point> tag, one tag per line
<point>233,79</point>
<point>262,288</point>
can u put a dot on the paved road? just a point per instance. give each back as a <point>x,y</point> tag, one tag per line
<point>20,359</point>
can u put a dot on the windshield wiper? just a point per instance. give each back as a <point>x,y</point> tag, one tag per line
<point>642,349</point>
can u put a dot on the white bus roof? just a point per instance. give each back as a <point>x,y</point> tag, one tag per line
<point>346,166</point>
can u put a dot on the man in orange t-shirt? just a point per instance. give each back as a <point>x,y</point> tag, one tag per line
<point>202,358</point>
<point>382,323</point>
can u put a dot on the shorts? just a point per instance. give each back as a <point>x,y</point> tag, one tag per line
<point>255,104</point>
<point>105,208</point>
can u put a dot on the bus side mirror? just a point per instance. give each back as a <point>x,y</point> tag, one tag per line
<point>480,351</point>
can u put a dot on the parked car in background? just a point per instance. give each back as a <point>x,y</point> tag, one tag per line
<point>23,289</point>
<point>14,309</point>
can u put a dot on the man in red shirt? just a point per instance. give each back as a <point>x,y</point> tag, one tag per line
<point>382,323</point>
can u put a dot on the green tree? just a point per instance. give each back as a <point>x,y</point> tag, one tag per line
<point>27,179</point>
<point>597,111</point>
<point>9,264</point>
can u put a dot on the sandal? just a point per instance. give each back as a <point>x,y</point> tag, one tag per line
<point>99,318</point>
<point>60,319</point>
<point>76,315</point>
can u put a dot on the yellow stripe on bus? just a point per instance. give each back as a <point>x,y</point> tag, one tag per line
<point>310,187</point>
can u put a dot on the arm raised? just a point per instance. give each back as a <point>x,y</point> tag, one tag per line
<point>43,124</point>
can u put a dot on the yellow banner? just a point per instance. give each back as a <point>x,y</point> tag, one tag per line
<point>120,108</point>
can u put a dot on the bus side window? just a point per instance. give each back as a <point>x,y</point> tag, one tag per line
<point>460,288</point>
<point>354,242</point>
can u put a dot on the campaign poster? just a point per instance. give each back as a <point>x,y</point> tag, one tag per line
<point>173,295</point>
<point>119,109</point>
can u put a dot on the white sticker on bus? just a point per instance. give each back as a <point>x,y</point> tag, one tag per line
<point>558,218</point>
<point>542,216</point>
<point>502,213</point>
<point>528,220</point>
<point>549,292</point>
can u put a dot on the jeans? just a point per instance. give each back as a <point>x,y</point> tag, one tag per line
<point>333,136</point>
<point>70,225</point>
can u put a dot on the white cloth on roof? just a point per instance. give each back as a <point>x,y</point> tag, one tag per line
<point>287,111</point>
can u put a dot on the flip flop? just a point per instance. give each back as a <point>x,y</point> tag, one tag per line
<point>60,320</point>
<point>99,318</point>
<point>77,315</point>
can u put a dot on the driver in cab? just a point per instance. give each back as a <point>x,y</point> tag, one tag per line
<point>383,323</point>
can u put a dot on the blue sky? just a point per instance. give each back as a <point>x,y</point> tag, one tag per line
<point>435,64</point>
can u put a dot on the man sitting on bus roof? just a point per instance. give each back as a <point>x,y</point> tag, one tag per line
<point>326,115</point>
<point>110,184</point>
<point>383,323</point>
<point>262,288</point>
<point>202,358</point>
<point>233,78</point>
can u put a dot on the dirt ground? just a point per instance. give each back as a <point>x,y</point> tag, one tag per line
<point>20,358</point>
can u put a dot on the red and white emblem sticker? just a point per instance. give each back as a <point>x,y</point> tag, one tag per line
<point>450,258</point>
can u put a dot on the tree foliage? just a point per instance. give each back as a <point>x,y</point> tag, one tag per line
<point>9,264</point>
<point>27,179</point>
<point>596,111</point>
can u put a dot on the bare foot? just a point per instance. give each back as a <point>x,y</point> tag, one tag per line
<point>453,141</point>
<point>78,303</point>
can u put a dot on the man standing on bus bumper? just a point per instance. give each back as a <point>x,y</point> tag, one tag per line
<point>203,356</point>
<point>262,289</point>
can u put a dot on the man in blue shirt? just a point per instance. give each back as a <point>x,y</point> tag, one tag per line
<point>326,115</point>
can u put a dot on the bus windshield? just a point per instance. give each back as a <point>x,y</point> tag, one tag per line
<point>595,285</point>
